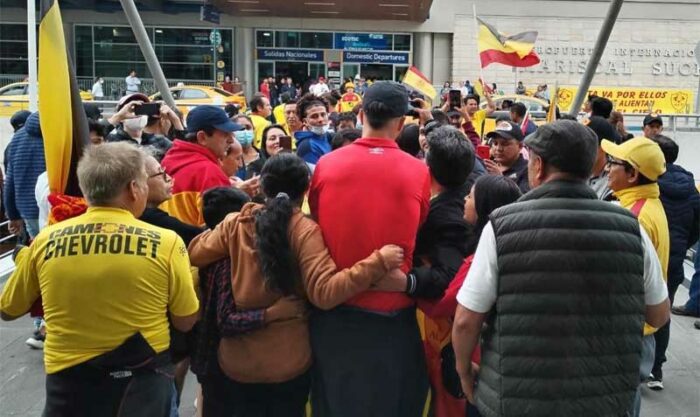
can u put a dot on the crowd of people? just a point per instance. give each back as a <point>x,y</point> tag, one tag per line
<point>359,254</point>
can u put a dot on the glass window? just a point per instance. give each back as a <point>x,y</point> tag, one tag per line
<point>120,69</point>
<point>114,34</point>
<point>191,93</point>
<point>265,69</point>
<point>399,72</point>
<point>319,40</point>
<point>14,66</point>
<point>265,39</point>
<point>317,69</point>
<point>286,39</point>
<point>185,54</point>
<point>83,51</point>
<point>109,52</point>
<point>350,70</point>
<point>182,36</point>
<point>13,50</point>
<point>14,91</point>
<point>188,72</point>
<point>13,32</point>
<point>402,42</point>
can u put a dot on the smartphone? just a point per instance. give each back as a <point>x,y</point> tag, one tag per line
<point>147,109</point>
<point>286,143</point>
<point>483,152</point>
<point>455,97</point>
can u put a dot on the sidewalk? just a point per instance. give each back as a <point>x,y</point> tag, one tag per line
<point>22,375</point>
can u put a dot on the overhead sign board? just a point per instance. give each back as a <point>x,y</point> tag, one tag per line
<point>290,54</point>
<point>375,57</point>
<point>363,41</point>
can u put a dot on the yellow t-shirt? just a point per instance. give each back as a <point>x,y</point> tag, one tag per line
<point>259,124</point>
<point>278,111</point>
<point>478,121</point>
<point>103,276</point>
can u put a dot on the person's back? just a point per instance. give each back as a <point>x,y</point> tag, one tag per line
<point>368,355</point>
<point>26,163</point>
<point>562,280</point>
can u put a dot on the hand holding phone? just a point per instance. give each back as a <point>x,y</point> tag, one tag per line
<point>147,109</point>
<point>286,143</point>
<point>455,98</point>
<point>483,152</point>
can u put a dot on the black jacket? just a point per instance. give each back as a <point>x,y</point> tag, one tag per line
<point>518,173</point>
<point>158,217</point>
<point>443,241</point>
<point>682,206</point>
<point>159,142</point>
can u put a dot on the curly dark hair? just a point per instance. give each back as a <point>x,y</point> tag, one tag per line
<point>310,100</point>
<point>284,180</point>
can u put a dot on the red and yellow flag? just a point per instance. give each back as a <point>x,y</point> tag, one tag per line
<point>63,121</point>
<point>512,50</point>
<point>419,82</point>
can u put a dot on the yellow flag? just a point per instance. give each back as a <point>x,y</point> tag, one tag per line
<point>416,80</point>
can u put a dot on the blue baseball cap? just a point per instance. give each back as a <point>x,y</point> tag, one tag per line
<point>202,117</point>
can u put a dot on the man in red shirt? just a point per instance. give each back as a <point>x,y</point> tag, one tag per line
<point>368,354</point>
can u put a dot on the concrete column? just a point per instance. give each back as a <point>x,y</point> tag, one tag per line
<point>442,58</point>
<point>244,59</point>
<point>423,53</point>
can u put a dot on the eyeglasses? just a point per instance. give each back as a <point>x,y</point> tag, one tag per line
<point>612,161</point>
<point>163,173</point>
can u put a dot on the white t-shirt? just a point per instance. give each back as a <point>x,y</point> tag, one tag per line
<point>478,293</point>
<point>41,194</point>
<point>319,89</point>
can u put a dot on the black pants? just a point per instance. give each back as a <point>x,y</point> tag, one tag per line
<point>367,364</point>
<point>224,397</point>
<point>84,391</point>
<point>663,335</point>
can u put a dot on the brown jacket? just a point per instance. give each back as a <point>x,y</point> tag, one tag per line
<point>280,351</point>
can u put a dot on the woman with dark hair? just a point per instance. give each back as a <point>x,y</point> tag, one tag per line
<point>408,140</point>
<point>269,147</point>
<point>618,121</point>
<point>279,255</point>
<point>488,193</point>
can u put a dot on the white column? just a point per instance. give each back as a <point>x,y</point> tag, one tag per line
<point>244,59</point>
<point>31,55</point>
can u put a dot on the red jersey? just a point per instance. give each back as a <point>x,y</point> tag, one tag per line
<point>367,195</point>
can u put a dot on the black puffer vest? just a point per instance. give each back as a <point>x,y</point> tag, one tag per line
<point>565,338</point>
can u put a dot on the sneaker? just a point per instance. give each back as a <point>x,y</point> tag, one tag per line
<point>656,384</point>
<point>682,311</point>
<point>36,341</point>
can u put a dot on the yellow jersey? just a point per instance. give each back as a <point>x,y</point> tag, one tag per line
<point>102,276</point>
<point>259,124</point>
<point>478,119</point>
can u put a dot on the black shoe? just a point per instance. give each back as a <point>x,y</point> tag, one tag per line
<point>697,324</point>
<point>682,311</point>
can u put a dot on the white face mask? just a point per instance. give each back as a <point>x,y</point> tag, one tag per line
<point>318,130</point>
<point>137,123</point>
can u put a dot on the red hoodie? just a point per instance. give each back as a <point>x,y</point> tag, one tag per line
<point>194,169</point>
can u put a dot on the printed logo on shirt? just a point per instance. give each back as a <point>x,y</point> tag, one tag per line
<point>102,238</point>
<point>376,151</point>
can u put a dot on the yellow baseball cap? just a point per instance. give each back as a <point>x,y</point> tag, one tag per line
<point>643,154</point>
<point>349,85</point>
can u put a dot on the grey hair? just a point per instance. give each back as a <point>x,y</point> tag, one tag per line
<point>242,116</point>
<point>448,133</point>
<point>104,171</point>
<point>157,153</point>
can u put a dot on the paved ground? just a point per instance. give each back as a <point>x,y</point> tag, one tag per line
<point>22,377</point>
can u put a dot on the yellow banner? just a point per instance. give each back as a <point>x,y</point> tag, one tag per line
<point>636,100</point>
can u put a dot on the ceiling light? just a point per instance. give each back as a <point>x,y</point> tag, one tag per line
<point>254,10</point>
<point>316,12</point>
<point>319,4</point>
<point>392,5</point>
<point>159,30</point>
<point>400,14</point>
<point>244,1</point>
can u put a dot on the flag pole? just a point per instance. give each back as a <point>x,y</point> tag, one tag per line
<point>476,29</point>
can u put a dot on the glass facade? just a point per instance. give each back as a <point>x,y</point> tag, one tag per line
<point>187,54</point>
<point>13,49</point>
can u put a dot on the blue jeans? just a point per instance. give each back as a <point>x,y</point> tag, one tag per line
<point>32,227</point>
<point>693,304</point>
<point>648,352</point>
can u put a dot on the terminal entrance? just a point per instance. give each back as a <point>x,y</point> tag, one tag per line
<point>299,71</point>
<point>377,71</point>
